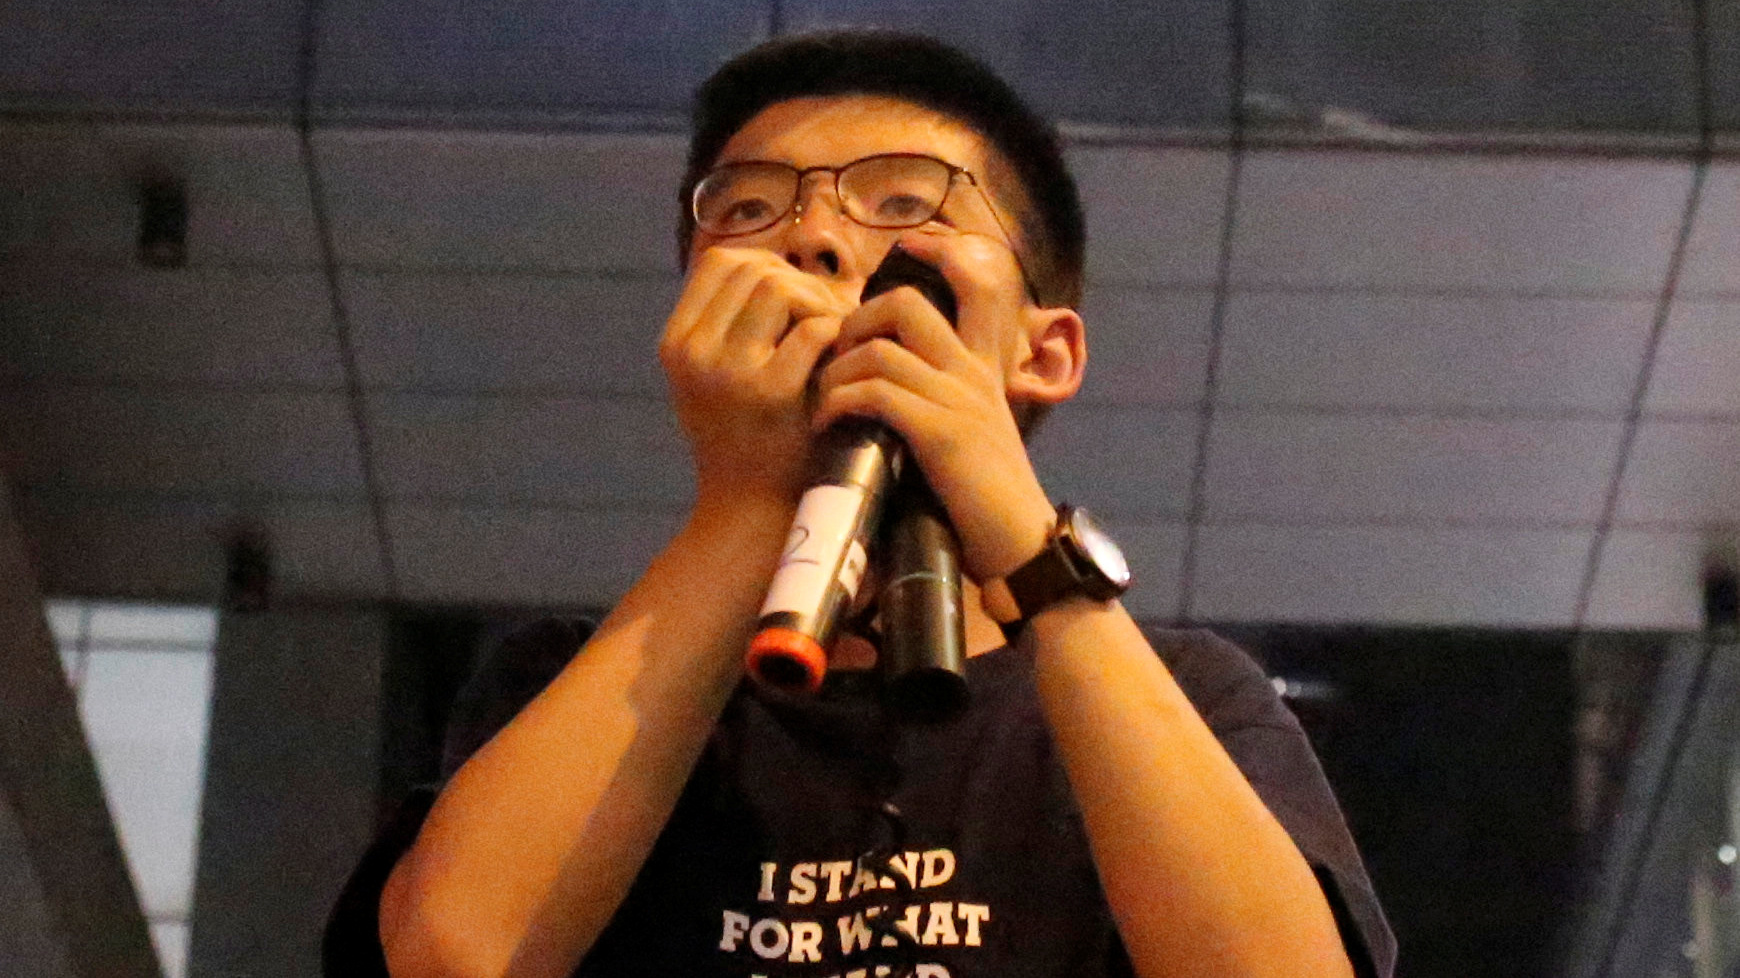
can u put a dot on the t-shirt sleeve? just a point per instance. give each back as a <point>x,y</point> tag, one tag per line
<point>509,677</point>
<point>1266,741</point>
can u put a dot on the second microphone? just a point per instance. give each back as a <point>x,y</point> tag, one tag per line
<point>857,467</point>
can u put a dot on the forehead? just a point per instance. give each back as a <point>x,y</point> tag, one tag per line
<point>834,130</point>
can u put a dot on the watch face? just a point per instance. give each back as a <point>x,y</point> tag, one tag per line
<point>1100,549</point>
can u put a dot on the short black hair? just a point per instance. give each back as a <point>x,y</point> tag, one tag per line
<point>925,72</point>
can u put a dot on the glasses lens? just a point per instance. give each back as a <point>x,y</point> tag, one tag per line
<point>894,191</point>
<point>745,197</point>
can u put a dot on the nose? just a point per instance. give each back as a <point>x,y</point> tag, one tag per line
<point>815,238</point>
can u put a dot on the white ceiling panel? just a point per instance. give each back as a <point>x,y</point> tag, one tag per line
<point>69,190</point>
<point>1146,346</point>
<point>1156,555</point>
<point>1697,366</point>
<point>417,199</point>
<point>1351,350</point>
<point>1649,580</point>
<point>541,557</point>
<point>1387,221</point>
<point>208,444</point>
<point>548,334</point>
<point>1345,467</point>
<point>1683,472</point>
<point>503,451</point>
<point>156,548</point>
<point>259,327</point>
<point>1154,216</point>
<point>1389,575</point>
<point>1132,463</point>
<point>1710,265</point>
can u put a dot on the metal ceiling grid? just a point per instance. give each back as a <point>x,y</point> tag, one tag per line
<point>489,304</point>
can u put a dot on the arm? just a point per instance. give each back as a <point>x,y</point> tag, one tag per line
<point>1202,878</point>
<point>1203,881</point>
<point>535,841</point>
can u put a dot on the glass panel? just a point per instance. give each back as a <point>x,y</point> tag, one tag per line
<point>170,937</point>
<point>65,620</point>
<point>153,625</point>
<point>145,715</point>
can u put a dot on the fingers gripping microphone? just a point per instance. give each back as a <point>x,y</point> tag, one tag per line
<point>857,464</point>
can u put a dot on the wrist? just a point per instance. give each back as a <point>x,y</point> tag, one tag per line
<point>740,522</point>
<point>1025,531</point>
<point>1078,564</point>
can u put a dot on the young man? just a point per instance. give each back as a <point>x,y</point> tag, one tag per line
<point>636,808</point>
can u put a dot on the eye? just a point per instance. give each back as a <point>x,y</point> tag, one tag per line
<point>904,208</point>
<point>747,211</point>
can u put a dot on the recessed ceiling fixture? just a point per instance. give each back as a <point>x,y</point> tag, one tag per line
<point>162,223</point>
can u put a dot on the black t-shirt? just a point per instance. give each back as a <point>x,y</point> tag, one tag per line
<point>977,852</point>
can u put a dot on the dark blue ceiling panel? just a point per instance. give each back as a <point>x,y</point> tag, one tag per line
<point>201,56</point>
<point>1541,65</point>
<point>1094,61</point>
<point>1724,33</point>
<point>526,58</point>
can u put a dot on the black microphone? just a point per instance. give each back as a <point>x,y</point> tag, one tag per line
<point>923,658</point>
<point>856,464</point>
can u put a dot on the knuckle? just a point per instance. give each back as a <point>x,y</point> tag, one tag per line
<point>879,393</point>
<point>674,357</point>
<point>881,350</point>
<point>816,329</point>
<point>766,286</point>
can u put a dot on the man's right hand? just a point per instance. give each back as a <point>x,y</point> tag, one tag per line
<point>739,351</point>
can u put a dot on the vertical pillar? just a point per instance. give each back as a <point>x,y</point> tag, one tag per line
<point>292,775</point>
<point>67,905</point>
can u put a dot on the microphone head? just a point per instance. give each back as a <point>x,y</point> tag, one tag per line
<point>902,267</point>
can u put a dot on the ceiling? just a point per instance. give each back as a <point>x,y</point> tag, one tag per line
<point>1376,364</point>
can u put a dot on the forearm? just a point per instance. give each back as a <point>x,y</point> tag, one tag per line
<point>536,840</point>
<point>1202,879</point>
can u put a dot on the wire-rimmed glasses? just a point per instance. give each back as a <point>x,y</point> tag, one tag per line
<point>888,191</point>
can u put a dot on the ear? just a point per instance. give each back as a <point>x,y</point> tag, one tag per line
<point>1048,367</point>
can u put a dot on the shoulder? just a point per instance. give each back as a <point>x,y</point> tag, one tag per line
<point>1221,679</point>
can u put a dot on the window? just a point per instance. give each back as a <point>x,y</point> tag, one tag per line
<point>143,677</point>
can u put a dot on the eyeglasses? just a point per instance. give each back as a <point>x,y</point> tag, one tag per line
<point>888,191</point>
<point>891,190</point>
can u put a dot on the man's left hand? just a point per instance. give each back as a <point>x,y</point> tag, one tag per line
<point>946,393</point>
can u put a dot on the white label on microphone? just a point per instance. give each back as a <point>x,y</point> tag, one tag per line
<point>820,533</point>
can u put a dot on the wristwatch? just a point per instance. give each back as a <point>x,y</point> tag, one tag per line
<point>1078,559</point>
